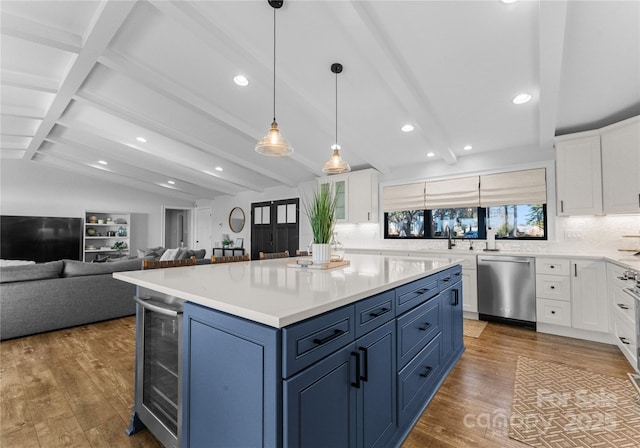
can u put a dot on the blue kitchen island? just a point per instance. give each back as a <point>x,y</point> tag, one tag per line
<point>274,355</point>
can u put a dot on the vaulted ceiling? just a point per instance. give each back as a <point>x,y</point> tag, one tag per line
<point>81,80</point>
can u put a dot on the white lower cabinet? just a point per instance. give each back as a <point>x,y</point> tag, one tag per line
<point>589,310</point>
<point>572,293</point>
<point>623,312</point>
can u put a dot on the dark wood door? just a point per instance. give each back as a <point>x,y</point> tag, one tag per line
<point>275,226</point>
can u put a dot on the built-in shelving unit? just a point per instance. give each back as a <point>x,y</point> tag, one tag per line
<point>102,230</point>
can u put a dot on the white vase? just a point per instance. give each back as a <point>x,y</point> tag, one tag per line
<point>321,253</point>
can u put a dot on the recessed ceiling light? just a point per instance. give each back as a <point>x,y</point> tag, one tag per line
<point>522,98</point>
<point>407,128</point>
<point>468,148</point>
<point>141,139</point>
<point>336,146</point>
<point>103,162</point>
<point>241,80</point>
<point>218,168</point>
<point>430,154</point>
<point>171,182</point>
<point>506,2</point>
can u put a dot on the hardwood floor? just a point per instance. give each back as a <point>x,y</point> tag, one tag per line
<point>74,387</point>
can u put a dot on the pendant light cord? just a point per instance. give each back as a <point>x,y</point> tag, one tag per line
<point>274,65</point>
<point>336,110</point>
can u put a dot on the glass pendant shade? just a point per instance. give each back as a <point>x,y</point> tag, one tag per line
<point>273,144</point>
<point>335,165</point>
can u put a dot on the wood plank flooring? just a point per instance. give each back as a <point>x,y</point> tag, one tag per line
<point>74,387</point>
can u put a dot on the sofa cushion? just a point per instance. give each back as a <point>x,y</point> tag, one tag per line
<point>39,271</point>
<point>196,253</point>
<point>74,268</point>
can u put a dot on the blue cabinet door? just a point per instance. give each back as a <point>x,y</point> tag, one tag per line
<point>319,403</point>
<point>376,420</point>
<point>231,383</point>
<point>451,305</point>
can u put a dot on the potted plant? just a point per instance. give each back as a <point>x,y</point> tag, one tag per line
<point>226,243</point>
<point>119,246</point>
<point>321,210</point>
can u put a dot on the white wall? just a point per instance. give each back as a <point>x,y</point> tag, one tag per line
<point>223,205</point>
<point>34,189</point>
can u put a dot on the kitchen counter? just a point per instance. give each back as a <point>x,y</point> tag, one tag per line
<point>271,293</point>
<point>623,259</point>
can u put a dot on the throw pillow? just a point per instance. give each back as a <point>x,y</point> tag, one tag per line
<point>169,254</point>
<point>200,253</point>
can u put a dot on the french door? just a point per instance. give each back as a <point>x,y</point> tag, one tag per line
<point>274,226</point>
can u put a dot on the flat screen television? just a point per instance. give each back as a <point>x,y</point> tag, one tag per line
<point>40,238</point>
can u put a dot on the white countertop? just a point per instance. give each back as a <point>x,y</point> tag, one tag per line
<point>624,259</point>
<point>273,294</point>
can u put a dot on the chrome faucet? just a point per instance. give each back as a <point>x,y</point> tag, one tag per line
<point>451,243</point>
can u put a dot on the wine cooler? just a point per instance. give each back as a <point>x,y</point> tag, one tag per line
<point>158,363</point>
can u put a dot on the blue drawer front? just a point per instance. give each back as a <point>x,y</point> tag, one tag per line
<point>449,277</point>
<point>415,293</point>
<point>313,339</point>
<point>416,328</point>
<point>417,380</point>
<point>374,311</point>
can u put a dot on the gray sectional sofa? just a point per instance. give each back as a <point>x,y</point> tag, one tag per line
<point>59,294</point>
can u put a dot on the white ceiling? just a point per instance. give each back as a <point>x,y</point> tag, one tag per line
<point>82,79</point>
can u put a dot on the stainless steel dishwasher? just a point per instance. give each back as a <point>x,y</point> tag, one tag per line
<point>507,289</point>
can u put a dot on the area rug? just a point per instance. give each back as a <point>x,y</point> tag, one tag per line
<point>556,406</point>
<point>473,328</point>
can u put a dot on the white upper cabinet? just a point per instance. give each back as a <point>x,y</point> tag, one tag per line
<point>578,174</point>
<point>356,196</point>
<point>621,166</point>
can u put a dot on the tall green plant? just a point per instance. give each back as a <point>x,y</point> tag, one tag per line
<point>321,210</point>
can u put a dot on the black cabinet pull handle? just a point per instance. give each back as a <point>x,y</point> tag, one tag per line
<point>456,297</point>
<point>623,306</point>
<point>336,333</point>
<point>425,326</point>
<point>426,372</point>
<point>357,383</point>
<point>446,279</point>
<point>552,287</point>
<point>379,313</point>
<point>624,340</point>
<point>553,312</point>
<point>365,360</point>
<point>422,291</point>
<point>458,274</point>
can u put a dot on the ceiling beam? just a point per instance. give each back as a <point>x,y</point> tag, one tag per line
<point>553,21</point>
<point>108,19</point>
<point>161,129</point>
<point>21,112</point>
<point>124,154</point>
<point>81,169</point>
<point>28,81</point>
<point>193,101</point>
<point>359,20</point>
<point>39,33</point>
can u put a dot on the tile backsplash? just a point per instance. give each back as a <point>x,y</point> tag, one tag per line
<point>573,235</point>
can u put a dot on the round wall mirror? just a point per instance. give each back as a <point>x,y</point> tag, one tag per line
<point>236,219</point>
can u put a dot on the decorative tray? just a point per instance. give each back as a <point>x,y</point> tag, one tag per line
<point>307,263</point>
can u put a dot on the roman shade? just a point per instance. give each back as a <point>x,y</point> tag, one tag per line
<point>513,188</point>
<point>403,197</point>
<point>453,193</point>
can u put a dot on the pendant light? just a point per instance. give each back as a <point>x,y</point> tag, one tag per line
<point>273,144</point>
<point>335,165</point>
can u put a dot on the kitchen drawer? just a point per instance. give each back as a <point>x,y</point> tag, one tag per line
<point>557,312</point>
<point>415,293</point>
<point>416,328</point>
<point>624,304</point>
<point>554,287</point>
<point>449,277</point>
<point>374,311</point>
<point>626,339</point>
<point>553,266</point>
<point>417,380</point>
<point>313,339</point>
